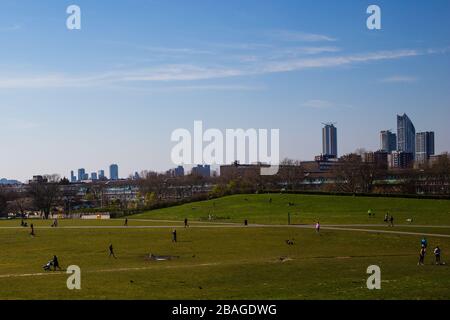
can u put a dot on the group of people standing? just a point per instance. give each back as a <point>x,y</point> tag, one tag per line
<point>423,252</point>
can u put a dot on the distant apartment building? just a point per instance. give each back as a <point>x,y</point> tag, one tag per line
<point>368,157</point>
<point>380,158</point>
<point>388,141</point>
<point>436,158</point>
<point>237,170</point>
<point>177,172</point>
<point>424,146</point>
<point>38,179</point>
<point>81,175</point>
<point>406,135</point>
<point>329,140</point>
<point>202,170</point>
<point>101,175</point>
<point>73,178</point>
<point>400,160</point>
<point>94,176</point>
<point>114,172</point>
<point>325,162</point>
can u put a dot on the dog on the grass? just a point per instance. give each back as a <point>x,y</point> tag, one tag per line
<point>290,242</point>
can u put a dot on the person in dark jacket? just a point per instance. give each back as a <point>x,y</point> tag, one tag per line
<point>56,263</point>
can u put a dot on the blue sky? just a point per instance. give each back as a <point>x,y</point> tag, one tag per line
<point>114,91</point>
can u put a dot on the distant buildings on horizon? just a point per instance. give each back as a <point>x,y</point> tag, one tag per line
<point>329,140</point>
<point>412,147</point>
<point>398,150</point>
<point>114,172</point>
<point>401,150</point>
<point>95,176</point>
<point>4,181</point>
<point>202,170</point>
<point>388,141</point>
<point>406,135</point>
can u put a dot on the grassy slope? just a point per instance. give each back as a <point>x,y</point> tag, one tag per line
<point>234,263</point>
<point>308,209</point>
<point>220,264</point>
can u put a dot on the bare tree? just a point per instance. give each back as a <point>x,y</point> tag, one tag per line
<point>4,198</point>
<point>291,172</point>
<point>20,202</point>
<point>53,178</point>
<point>45,195</point>
<point>152,182</point>
<point>353,175</point>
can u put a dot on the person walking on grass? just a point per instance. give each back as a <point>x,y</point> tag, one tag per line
<point>32,230</point>
<point>174,236</point>
<point>126,222</point>
<point>111,252</point>
<point>318,227</point>
<point>56,264</point>
<point>422,254</point>
<point>186,224</point>
<point>437,255</point>
<point>391,220</point>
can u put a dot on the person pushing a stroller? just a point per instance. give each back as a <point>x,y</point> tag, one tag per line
<point>54,263</point>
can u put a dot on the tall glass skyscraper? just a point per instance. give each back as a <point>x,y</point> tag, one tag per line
<point>388,141</point>
<point>329,140</point>
<point>73,178</point>
<point>114,172</point>
<point>424,146</point>
<point>81,174</point>
<point>406,135</point>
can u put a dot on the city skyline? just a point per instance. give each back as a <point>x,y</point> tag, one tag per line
<point>118,88</point>
<point>425,147</point>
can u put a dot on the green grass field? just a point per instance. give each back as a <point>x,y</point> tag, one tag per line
<point>308,209</point>
<point>232,261</point>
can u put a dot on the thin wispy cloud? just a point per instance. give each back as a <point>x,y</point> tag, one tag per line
<point>183,73</point>
<point>192,72</point>
<point>160,49</point>
<point>195,72</point>
<point>170,50</point>
<point>199,87</point>
<point>299,36</point>
<point>315,50</point>
<point>336,61</point>
<point>242,46</point>
<point>400,79</point>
